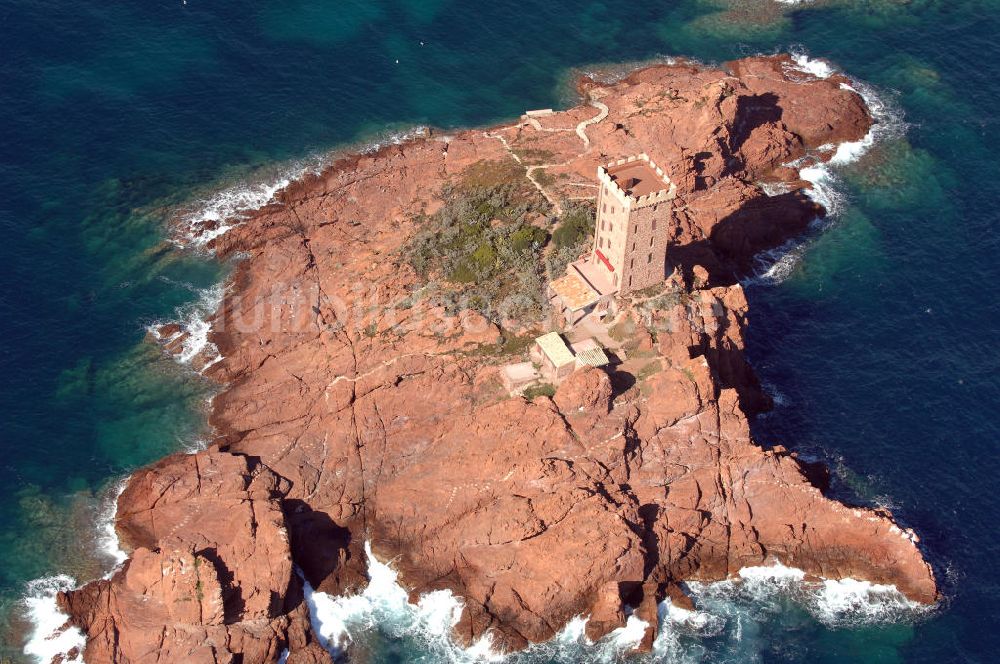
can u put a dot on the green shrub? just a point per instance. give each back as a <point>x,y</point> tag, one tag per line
<point>577,226</point>
<point>528,238</point>
<point>483,244</point>
<point>570,239</point>
<point>541,390</point>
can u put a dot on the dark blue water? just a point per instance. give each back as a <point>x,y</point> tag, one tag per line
<point>115,115</point>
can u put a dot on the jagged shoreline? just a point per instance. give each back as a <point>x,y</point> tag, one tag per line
<point>273,453</point>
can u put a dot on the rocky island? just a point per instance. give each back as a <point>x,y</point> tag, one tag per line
<point>364,346</point>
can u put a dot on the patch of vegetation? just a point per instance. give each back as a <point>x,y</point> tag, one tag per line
<point>541,390</point>
<point>510,345</point>
<point>571,237</point>
<point>534,156</point>
<point>514,345</point>
<point>489,174</point>
<point>543,177</point>
<point>481,244</point>
<point>576,226</point>
<point>623,329</point>
<point>649,369</point>
<point>199,587</point>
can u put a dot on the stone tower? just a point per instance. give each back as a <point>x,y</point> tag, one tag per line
<point>633,215</point>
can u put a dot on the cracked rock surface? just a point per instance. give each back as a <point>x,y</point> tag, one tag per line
<point>333,433</point>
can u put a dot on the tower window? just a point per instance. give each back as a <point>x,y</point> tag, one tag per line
<point>604,207</point>
<point>651,240</point>
<point>654,223</point>
<point>649,259</point>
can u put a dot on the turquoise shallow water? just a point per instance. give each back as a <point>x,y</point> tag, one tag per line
<point>881,342</point>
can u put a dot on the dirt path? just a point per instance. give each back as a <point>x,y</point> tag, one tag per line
<point>581,131</point>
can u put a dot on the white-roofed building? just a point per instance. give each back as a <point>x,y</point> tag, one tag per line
<point>556,359</point>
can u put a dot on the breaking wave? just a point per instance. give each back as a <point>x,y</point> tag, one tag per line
<point>48,639</point>
<point>194,328</point>
<point>725,608</point>
<point>384,605</point>
<point>835,603</point>
<point>820,168</point>
<point>208,218</point>
<point>384,608</point>
<point>50,636</point>
<point>385,138</point>
<point>221,212</point>
<point>107,537</point>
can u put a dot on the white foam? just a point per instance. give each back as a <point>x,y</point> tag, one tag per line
<point>192,318</point>
<point>394,138</point>
<point>774,188</point>
<point>775,265</point>
<point>384,606</point>
<point>211,217</point>
<point>574,631</point>
<point>832,602</point>
<point>222,211</point>
<point>49,639</point>
<point>623,638</point>
<point>853,601</point>
<point>812,66</point>
<point>339,621</point>
<point>702,623</point>
<point>771,574</point>
<point>107,537</point>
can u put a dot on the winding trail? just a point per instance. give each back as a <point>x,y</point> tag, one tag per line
<point>581,131</point>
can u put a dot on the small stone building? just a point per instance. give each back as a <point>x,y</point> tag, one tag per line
<point>554,356</point>
<point>516,377</point>
<point>589,353</point>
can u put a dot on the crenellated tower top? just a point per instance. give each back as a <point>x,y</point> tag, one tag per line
<point>637,181</point>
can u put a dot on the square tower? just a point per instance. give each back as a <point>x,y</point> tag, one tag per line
<point>633,214</point>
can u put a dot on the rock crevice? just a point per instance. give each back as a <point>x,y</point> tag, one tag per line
<point>344,421</point>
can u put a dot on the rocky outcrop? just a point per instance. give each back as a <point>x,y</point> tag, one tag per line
<point>355,411</point>
<point>210,574</point>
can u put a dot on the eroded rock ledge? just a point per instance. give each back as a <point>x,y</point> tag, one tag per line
<point>342,423</point>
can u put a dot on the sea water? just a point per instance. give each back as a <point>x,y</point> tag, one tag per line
<point>878,331</point>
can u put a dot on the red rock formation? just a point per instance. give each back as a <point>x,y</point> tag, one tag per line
<point>345,420</point>
<point>210,569</point>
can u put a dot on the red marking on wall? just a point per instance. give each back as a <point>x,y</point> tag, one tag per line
<point>604,259</point>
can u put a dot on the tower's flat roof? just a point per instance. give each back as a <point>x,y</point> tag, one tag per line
<point>637,178</point>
